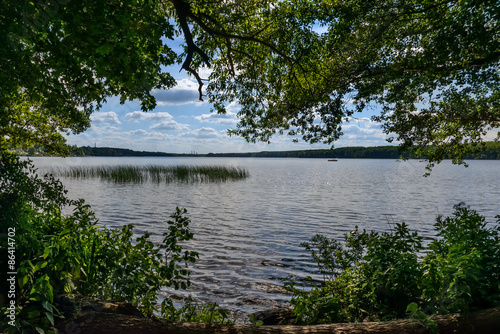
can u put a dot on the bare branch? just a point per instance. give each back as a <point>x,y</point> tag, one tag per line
<point>183,11</point>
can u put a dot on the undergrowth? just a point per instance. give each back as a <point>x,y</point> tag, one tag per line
<point>71,255</point>
<point>384,276</point>
<point>197,312</point>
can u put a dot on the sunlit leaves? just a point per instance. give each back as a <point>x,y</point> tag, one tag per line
<point>411,58</point>
<point>64,58</point>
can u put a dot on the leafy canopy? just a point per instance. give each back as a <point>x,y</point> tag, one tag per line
<point>305,67</point>
<point>61,59</point>
<point>297,67</point>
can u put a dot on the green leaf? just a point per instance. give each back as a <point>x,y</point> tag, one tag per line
<point>46,305</point>
<point>50,316</point>
<point>40,265</point>
<point>22,281</point>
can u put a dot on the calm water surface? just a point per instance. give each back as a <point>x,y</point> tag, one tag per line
<point>248,233</point>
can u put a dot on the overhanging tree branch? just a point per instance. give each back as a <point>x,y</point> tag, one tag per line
<point>183,11</point>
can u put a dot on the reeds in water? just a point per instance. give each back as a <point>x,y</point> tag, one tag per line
<point>157,174</point>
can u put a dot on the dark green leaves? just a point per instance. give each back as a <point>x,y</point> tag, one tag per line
<point>64,58</point>
<point>392,274</point>
<point>69,254</point>
<point>432,66</point>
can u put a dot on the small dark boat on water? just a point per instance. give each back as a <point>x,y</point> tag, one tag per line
<point>332,160</point>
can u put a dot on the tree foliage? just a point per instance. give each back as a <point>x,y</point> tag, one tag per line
<point>305,67</point>
<point>61,59</point>
<point>297,67</point>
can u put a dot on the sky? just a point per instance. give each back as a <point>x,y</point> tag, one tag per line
<point>182,124</point>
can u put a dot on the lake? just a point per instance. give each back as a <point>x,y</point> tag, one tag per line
<point>248,232</point>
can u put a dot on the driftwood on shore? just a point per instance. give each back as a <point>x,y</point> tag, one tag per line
<point>102,320</point>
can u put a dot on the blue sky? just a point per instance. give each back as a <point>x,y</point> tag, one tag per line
<point>181,124</point>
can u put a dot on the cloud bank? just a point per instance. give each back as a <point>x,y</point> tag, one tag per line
<point>105,118</point>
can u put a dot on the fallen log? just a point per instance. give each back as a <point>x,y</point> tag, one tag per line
<point>484,322</point>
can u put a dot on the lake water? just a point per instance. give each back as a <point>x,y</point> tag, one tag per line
<point>248,233</point>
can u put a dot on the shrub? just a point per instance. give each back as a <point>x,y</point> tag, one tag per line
<point>57,254</point>
<point>194,312</point>
<point>377,275</point>
<point>462,267</point>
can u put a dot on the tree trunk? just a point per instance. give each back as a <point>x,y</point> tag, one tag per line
<point>484,322</point>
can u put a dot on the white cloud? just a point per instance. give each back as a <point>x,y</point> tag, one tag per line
<point>363,128</point>
<point>164,121</point>
<point>228,118</point>
<point>112,128</point>
<point>205,72</point>
<point>106,118</point>
<point>492,134</point>
<point>170,125</point>
<point>203,133</point>
<point>139,132</point>
<point>137,116</point>
<point>233,107</point>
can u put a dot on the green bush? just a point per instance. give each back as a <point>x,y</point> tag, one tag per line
<point>377,276</point>
<point>462,266</point>
<point>57,254</point>
<point>194,312</point>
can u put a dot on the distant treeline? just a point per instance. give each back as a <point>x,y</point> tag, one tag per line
<point>116,152</point>
<point>378,152</point>
<point>491,152</point>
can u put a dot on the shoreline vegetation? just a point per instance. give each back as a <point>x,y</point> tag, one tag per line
<point>370,276</point>
<point>426,71</point>
<point>154,174</point>
<point>490,151</point>
<point>384,276</point>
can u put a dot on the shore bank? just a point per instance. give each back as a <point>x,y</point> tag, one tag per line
<point>110,317</point>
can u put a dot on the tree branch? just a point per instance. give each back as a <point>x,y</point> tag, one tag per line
<point>213,28</point>
<point>183,11</point>
<point>221,33</point>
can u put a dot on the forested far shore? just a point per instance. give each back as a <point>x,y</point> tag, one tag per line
<point>491,151</point>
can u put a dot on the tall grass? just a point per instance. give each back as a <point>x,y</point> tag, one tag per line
<point>157,174</point>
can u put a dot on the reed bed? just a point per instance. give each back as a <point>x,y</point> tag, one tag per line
<point>156,174</point>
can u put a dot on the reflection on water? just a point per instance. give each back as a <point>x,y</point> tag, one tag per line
<point>248,232</point>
